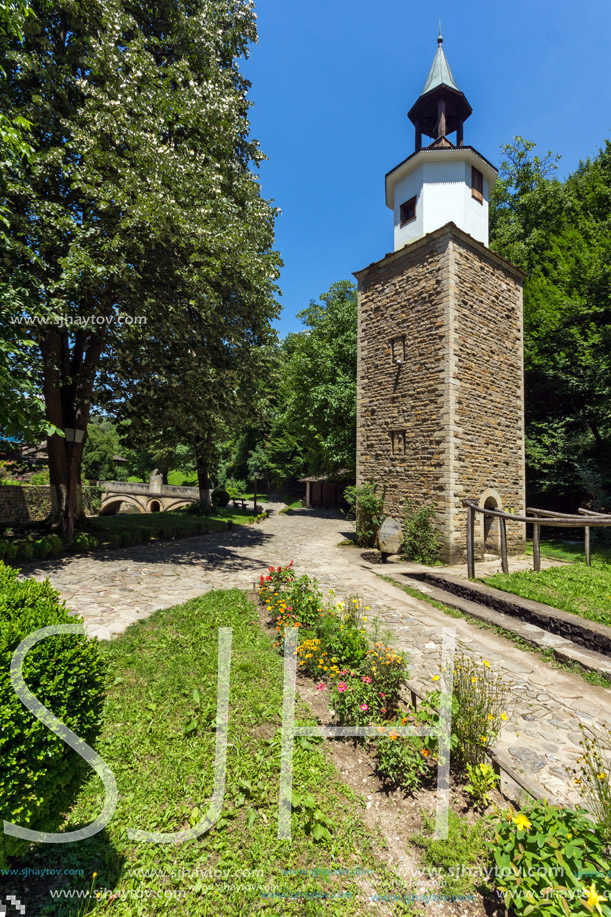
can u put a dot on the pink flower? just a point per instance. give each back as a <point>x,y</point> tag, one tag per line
<point>320,687</point>
<point>344,671</point>
<point>342,686</point>
<point>366,679</point>
<point>364,707</point>
<point>382,695</point>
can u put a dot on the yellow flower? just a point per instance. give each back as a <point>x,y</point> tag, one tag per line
<point>490,717</point>
<point>503,716</point>
<point>594,899</point>
<point>94,875</point>
<point>474,679</point>
<point>522,822</point>
<point>601,776</point>
<point>484,739</point>
<point>486,663</point>
<point>364,618</point>
<point>435,677</point>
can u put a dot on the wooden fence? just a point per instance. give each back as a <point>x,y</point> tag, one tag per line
<point>585,519</point>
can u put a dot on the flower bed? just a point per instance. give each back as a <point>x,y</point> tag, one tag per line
<point>562,852</point>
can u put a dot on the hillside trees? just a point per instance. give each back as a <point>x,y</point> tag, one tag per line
<point>559,233</point>
<point>139,202</point>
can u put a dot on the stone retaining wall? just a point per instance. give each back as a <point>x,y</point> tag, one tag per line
<point>32,503</point>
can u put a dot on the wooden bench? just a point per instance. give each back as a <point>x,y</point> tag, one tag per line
<point>239,501</point>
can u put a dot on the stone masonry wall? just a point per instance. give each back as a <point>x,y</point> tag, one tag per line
<point>488,402</point>
<point>447,423</point>
<point>32,503</point>
<point>400,428</point>
<point>24,504</point>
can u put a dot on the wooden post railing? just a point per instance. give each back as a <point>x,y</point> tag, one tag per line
<point>585,519</point>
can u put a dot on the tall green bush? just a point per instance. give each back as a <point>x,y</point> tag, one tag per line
<point>39,772</point>
<point>421,540</point>
<point>367,508</point>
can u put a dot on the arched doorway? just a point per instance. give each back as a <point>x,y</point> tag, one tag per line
<point>154,506</point>
<point>491,528</point>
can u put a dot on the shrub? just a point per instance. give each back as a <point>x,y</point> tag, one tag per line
<point>355,700</point>
<point>39,771</point>
<point>388,671</point>
<point>594,780</point>
<point>305,599</point>
<point>403,761</point>
<point>340,638</point>
<point>479,699</point>
<point>220,497</point>
<point>367,508</point>
<point>10,551</point>
<point>24,550</point>
<point>482,781</point>
<point>546,858</point>
<point>421,540</point>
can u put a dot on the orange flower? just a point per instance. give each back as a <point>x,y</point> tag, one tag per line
<point>425,752</point>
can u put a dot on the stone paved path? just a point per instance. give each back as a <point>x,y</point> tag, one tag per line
<point>113,590</point>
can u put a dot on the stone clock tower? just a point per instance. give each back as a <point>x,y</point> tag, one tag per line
<point>440,395</point>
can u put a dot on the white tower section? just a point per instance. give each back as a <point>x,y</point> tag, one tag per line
<point>438,185</point>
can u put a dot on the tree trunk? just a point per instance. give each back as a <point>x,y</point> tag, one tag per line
<point>67,386</point>
<point>202,463</point>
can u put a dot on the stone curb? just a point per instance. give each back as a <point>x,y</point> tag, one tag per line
<point>564,649</point>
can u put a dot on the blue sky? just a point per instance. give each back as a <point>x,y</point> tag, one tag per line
<point>332,81</point>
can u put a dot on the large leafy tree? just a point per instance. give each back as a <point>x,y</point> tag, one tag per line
<point>559,233</point>
<point>140,198</point>
<point>318,387</point>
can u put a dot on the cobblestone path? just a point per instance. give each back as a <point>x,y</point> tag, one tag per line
<point>113,590</point>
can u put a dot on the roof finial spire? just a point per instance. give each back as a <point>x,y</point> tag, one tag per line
<point>440,38</point>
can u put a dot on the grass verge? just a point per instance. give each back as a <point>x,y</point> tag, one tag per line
<point>158,738</point>
<point>593,678</point>
<point>581,590</point>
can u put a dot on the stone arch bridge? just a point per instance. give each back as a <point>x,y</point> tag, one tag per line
<point>146,498</point>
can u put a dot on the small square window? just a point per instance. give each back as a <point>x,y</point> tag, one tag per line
<point>397,442</point>
<point>397,349</point>
<point>408,211</point>
<point>477,185</point>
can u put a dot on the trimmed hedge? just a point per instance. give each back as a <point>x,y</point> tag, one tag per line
<point>220,497</point>
<point>40,774</point>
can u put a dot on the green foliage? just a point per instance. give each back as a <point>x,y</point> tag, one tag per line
<point>39,772</point>
<point>305,597</point>
<point>367,508</point>
<point>317,387</point>
<point>479,698</point>
<point>581,590</point>
<point>594,777</point>
<point>403,761</point>
<point>220,497</point>
<point>461,857</point>
<point>143,157</point>
<point>549,861</point>
<point>101,445</point>
<point>421,541</point>
<point>482,781</point>
<point>559,234</point>
<point>355,700</point>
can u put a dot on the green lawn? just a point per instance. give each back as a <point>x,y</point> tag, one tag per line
<point>179,523</point>
<point>584,591</point>
<point>159,739</point>
<point>571,551</point>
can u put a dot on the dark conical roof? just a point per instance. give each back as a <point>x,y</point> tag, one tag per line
<point>440,73</point>
<point>440,95</point>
